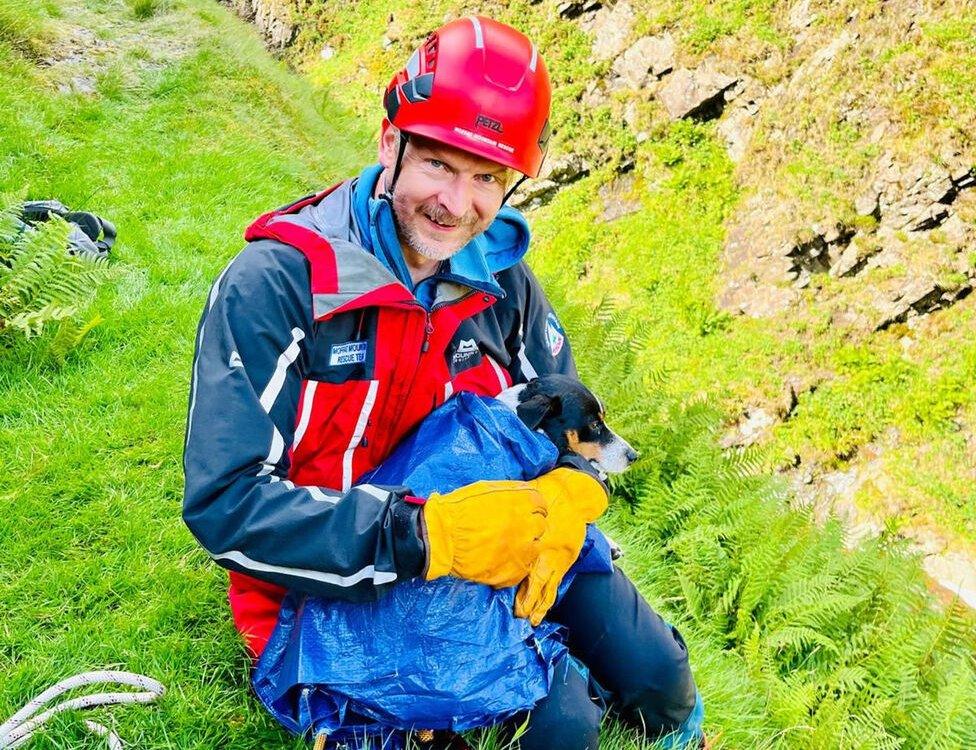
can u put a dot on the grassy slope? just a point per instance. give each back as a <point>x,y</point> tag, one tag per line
<point>97,569</point>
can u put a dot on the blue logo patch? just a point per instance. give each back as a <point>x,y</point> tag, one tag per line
<point>350,353</point>
<point>554,334</point>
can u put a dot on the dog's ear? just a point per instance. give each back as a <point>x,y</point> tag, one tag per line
<point>536,408</point>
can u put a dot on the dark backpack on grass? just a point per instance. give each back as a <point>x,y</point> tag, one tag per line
<point>89,234</point>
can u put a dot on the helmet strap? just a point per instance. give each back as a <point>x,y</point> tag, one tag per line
<point>514,187</point>
<point>388,193</point>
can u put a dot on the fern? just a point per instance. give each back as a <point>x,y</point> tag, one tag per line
<point>844,648</point>
<point>40,283</point>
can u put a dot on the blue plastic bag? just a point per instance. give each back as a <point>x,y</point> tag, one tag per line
<point>444,654</point>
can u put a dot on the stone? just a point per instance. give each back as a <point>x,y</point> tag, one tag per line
<point>964,177</point>
<point>611,28</point>
<point>618,197</point>
<point>878,132</point>
<point>555,173</point>
<point>854,256</point>
<point>327,53</point>
<point>941,189</point>
<point>534,193</point>
<point>955,230</point>
<point>273,19</point>
<point>696,94</point>
<point>918,296</point>
<point>826,54</point>
<point>867,204</point>
<point>916,198</point>
<point>736,130</point>
<point>570,10</point>
<point>631,114</point>
<point>648,59</point>
<point>565,169</point>
<point>847,263</point>
<point>800,16</point>
<point>754,425</point>
<point>594,95</point>
<point>756,301</point>
<point>954,572</point>
<point>922,217</point>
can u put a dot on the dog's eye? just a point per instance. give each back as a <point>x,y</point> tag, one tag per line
<point>595,426</point>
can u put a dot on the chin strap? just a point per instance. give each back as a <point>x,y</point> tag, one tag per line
<point>388,191</point>
<point>514,187</point>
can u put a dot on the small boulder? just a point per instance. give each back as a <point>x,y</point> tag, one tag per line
<point>866,204</point>
<point>753,426</point>
<point>555,173</point>
<point>920,297</point>
<point>619,198</point>
<point>696,94</point>
<point>610,28</point>
<point>648,59</point>
<point>736,131</point>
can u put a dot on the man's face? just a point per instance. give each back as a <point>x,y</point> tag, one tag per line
<point>443,197</point>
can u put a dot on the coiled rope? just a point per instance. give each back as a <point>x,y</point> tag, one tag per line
<point>19,728</point>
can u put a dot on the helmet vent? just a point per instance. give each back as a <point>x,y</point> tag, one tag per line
<point>430,53</point>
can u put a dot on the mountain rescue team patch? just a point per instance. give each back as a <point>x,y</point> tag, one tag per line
<point>350,353</point>
<point>554,334</point>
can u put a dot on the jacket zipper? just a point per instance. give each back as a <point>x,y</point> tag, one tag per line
<point>424,347</point>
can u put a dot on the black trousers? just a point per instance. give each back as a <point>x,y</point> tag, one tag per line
<point>638,667</point>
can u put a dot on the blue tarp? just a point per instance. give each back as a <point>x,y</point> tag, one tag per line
<point>444,654</point>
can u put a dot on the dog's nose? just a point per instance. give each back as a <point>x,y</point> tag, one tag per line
<point>632,455</point>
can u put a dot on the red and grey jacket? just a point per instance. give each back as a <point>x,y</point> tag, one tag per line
<point>312,362</point>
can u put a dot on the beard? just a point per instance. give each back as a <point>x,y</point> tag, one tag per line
<point>414,237</point>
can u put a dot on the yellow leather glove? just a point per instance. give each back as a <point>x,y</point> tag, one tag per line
<point>487,532</point>
<point>575,499</point>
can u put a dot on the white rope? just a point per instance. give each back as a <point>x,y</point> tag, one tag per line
<point>19,728</point>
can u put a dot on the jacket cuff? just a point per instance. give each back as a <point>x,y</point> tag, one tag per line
<point>408,546</point>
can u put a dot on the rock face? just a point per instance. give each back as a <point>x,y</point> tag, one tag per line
<point>610,28</point>
<point>742,106</point>
<point>695,93</point>
<point>833,495</point>
<point>619,198</point>
<point>919,297</point>
<point>555,174</point>
<point>272,17</point>
<point>767,255</point>
<point>643,63</point>
<point>917,197</point>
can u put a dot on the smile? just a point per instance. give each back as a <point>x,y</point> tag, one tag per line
<point>440,227</point>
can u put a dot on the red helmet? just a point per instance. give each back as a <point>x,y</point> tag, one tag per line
<point>480,86</point>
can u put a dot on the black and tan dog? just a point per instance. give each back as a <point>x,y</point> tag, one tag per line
<point>572,417</point>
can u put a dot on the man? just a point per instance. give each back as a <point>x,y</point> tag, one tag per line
<point>348,318</point>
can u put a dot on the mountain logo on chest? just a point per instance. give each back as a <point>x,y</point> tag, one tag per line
<point>465,351</point>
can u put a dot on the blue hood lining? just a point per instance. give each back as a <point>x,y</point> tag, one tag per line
<point>501,246</point>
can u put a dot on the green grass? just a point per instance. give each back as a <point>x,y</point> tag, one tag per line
<point>796,642</point>
<point>98,568</point>
<point>25,26</point>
